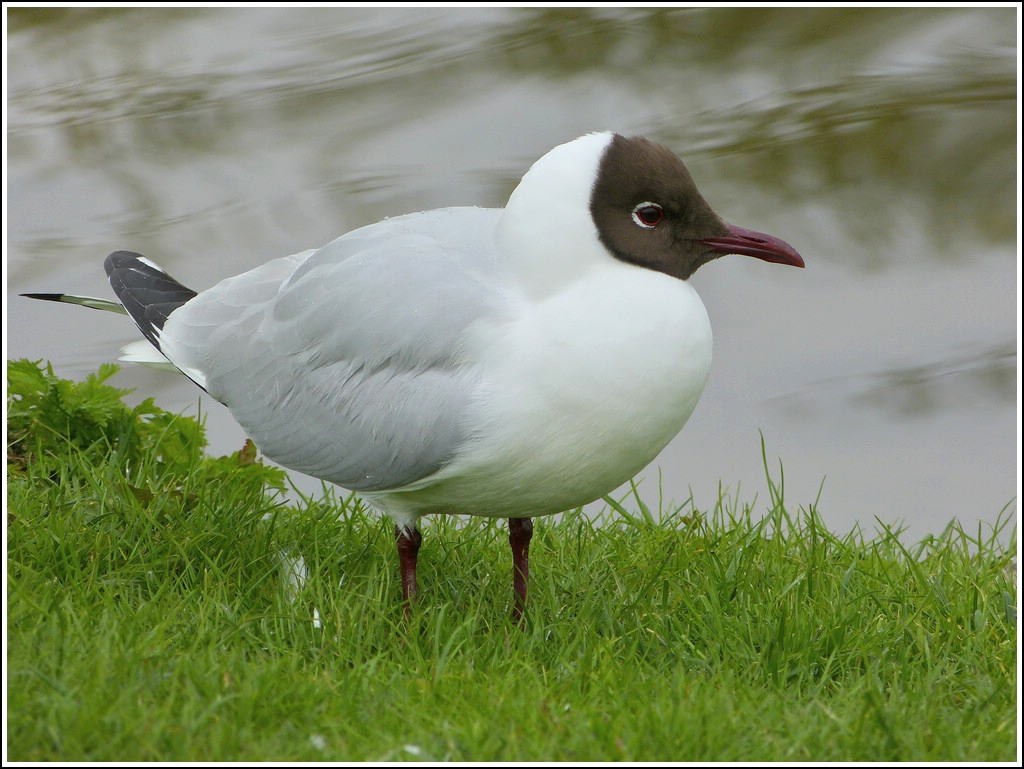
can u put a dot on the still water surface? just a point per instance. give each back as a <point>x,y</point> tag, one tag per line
<point>880,143</point>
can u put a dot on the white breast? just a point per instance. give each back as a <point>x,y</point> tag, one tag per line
<point>578,393</point>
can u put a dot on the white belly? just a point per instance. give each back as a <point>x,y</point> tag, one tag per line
<point>579,393</point>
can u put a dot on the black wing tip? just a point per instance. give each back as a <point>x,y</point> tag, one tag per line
<point>119,259</point>
<point>148,293</point>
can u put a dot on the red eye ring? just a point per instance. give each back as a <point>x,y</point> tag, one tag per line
<point>648,215</point>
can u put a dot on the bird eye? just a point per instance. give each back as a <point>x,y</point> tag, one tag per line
<point>648,215</point>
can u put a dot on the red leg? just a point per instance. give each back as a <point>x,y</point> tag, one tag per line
<point>408,541</point>
<point>520,530</point>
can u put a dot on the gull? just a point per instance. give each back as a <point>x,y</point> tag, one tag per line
<point>512,362</point>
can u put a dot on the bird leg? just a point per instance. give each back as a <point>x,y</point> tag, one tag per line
<point>408,541</point>
<point>520,530</point>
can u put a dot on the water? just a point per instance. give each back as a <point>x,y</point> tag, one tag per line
<point>881,143</point>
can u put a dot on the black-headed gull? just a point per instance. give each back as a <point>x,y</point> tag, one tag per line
<point>509,363</point>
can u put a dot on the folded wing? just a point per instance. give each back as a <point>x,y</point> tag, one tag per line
<point>345,362</point>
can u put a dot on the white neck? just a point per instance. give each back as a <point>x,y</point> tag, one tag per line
<point>547,224</point>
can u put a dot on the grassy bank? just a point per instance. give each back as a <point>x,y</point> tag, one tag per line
<point>167,606</point>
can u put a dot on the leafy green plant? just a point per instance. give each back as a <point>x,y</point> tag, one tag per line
<point>163,605</point>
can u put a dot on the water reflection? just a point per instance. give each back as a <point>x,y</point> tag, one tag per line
<point>827,134</point>
<point>880,142</point>
<point>917,391</point>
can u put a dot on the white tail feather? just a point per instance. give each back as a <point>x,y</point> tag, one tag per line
<point>145,354</point>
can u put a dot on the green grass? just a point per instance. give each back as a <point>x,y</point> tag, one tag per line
<point>155,613</point>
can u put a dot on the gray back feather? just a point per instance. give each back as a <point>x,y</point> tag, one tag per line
<point>344,362</point>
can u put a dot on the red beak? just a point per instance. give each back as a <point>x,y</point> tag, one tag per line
<point>749,243</point>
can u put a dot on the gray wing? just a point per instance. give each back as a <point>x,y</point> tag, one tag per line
<point>346,362</point>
